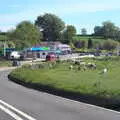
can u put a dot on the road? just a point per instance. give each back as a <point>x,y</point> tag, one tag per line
<point>28,104</point>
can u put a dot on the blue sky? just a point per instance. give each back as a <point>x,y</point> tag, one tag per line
<point>80,13</point>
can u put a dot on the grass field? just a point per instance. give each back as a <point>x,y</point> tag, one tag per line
<point>96,39</point>
<point>89,82</point>
<point>87,37</point>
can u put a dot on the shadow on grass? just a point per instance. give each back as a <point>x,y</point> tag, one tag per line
<point>89,99</point>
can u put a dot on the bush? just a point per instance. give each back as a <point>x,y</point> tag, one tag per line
<point>80,44</point>
<point>90,43</point>
<point>110,44</point>
<point>26,66</point>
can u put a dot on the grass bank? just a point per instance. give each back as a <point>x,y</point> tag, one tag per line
<point>5,63</point>
<point>88,86</point>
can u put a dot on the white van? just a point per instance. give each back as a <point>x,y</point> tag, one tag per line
<point>15,55</point>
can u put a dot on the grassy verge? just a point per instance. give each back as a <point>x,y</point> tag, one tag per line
<point>5,63</point>
<point>90,85</point>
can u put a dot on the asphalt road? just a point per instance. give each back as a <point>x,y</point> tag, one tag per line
<point>43,106</point>
<point>4,116</point>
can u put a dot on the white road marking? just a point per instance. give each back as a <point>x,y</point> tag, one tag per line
<point>17,111</point>
<point>16,117</point>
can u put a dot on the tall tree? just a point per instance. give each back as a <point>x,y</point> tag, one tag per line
<point>51,26</point>
<point>108,29</point>
<point>26,34</point>
<point>83,31</point>
<point>116,34</point>
<point>90,43</point>
<point>69,33</point>
<point>98,31</point>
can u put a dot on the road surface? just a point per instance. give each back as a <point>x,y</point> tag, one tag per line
<point>20,103</point>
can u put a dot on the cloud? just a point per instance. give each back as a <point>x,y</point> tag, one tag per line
<point>32,11</point>
<point>7,27</point>
<point>87,7</point>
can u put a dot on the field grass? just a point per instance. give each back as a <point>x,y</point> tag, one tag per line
<point>96,39</point>
<point>89,82</point>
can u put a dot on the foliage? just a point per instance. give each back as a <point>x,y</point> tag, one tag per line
<point>72,45</point>
<point>90,43</point>
<point>26,34</point>
<point>51,26</point>
<point>69,33</point>
<point>10,44</point>
<point>98,31</point>
<point>110,45</point>
<point>83,31</point>
<point>98,42</point>
<point>80,44</point>
<point>108,30</point>
<point>3,37</point>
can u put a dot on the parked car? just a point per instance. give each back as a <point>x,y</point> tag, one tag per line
<point>51,57</point>
<point>15,55</point>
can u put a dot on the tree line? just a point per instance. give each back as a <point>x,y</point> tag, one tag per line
<point>49,27</point>
<point>108,30</point>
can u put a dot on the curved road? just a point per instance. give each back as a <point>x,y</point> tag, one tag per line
<point>43,106</point>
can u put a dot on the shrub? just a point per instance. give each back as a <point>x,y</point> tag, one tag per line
<point>110,44</point>
<point>26,66</point>
<point>90,43</point>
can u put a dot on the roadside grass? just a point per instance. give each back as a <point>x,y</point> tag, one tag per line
<point>5,63</point>
<point>89,82</point>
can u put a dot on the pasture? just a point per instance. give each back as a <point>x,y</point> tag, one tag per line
<point>94,38</point>
<point>90,81</point>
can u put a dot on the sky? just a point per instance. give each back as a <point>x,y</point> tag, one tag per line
<point>80,13</point>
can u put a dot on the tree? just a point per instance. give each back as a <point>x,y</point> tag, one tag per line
<point>25,35</point>
<point>108,29</point>
<point>83,44</point>
<point>80,44</point>
<point>90,43</point>
<point>69,33</point>
<point>51,26</point>
<point>116,33</point>
<point>110,44</point>
<point>10,44</point>
<point>83,31</point>
<point>98,31</point>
